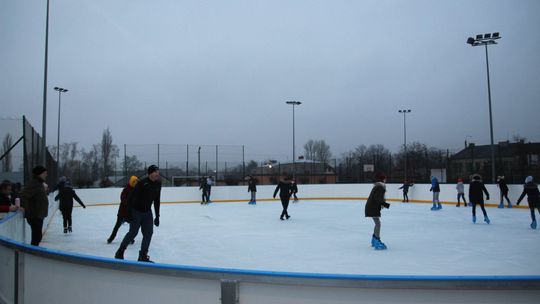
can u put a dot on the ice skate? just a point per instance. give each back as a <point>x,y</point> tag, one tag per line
<point>457,205</point>
<point>434,208</point>
<point>533,224</point>
<point>65,230</point>
<point>70,230</point>
<point>474,219</point>
<point>143,257</point>
<point>109,240</point>
<point>373,241</point>
<point>439,206</point>
<point>486,219</point>
<point>287,216</point>
<point>501,206</point>
<point>119,254</point>
<point>509,205</point>
<point>379,245</point>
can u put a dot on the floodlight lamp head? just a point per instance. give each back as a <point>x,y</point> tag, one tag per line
<point>496,35</point>
<point>487,36</point>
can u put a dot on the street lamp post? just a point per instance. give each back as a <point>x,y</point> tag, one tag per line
<point>44,122</point>
<point>199,163</point>
<point>60,91</point>
<point>405,141</point>
<point>293,103</point>
<point>485,40</point>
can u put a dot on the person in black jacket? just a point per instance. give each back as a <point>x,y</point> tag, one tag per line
<point>476,196</point>
<point>405,187</point>
<point>285,191</point>
<point>6,204</point>
<point>35,203</point>
<point>374,204</point>
<point>203,185</point>
<point>66,194</point>
<point>252,187</point>
<point>146,192</point>
<point>503,187</point>
<point>533,198</point>
<point>294,189</point>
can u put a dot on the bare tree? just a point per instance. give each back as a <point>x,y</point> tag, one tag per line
<point>7,144</point>
<point>109,151</point>
<point>131,164</point>
<point>317,150</point>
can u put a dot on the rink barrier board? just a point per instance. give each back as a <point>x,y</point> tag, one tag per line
<point>288,278</point>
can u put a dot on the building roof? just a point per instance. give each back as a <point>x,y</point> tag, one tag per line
<point>502,149</point>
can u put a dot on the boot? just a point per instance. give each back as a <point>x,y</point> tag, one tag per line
<point>143,257</point>
<point>65,230</point>
<point>109,240</point>
<point>434,207</point>
<point>486,219</point>
<point>501,205</point>
<point>119,254</point>
<point>509,205</point>
<point>474,219</point>
<point>439,206</point>
<point>70,230</point>
<point>287,216</point>
<point>533,224</point>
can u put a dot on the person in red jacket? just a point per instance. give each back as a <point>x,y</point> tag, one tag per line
<point>123,212</point>
<point>5,200</point>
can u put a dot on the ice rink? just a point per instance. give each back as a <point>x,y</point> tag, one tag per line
<point>321,237</point>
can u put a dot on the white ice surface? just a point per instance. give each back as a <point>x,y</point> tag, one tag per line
<point>321,237</point>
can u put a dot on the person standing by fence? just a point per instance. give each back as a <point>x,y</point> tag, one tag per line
<point>35,203</point>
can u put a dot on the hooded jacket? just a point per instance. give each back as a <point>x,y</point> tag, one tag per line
<point>476,187</point>
<point>66,195</point>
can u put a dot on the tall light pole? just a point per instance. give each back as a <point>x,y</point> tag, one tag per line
<point>293,103</point>
<point>60,91</point>
<point>485,40</point>
<point>405,141</point>
<point>44,122</point>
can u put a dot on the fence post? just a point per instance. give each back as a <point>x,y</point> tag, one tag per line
<point>230,292</point>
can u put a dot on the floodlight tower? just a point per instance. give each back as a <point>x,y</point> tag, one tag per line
<point>405,141</point>
<point>293,103</point>
<point>485,40</point>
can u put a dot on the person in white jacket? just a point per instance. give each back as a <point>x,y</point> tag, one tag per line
<point>460,192</point>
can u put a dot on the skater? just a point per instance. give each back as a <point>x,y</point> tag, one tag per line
<point>405,188</point>
<point>203,185</point>
<point>146,192</point>
<point>477,197</point>
<point>252,187</point>
<point>294,188</point>
<point>5,199</point>
<point>533,198</point>
<point>66,194</point>
<point>122,215</point>
<point>285,191</point>
<point>374,204</point>
<point>35,203</point>
<point>436,190</point>
<point>503,187</point>
<point>460,187</point>
<point>209,183</point>
<point>61,181</point>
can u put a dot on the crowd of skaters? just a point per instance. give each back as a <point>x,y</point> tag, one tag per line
<point>139,196</point>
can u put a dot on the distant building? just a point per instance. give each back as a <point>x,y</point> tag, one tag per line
<point>513,160</point>
<point>306,172</point>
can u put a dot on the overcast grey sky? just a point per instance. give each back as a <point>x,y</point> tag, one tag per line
<point>219,72</point>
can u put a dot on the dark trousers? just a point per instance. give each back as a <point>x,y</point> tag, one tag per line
<point>532,212</point>
<point>36,224</point>
<point>144,221</point>
<point>505,195</point>
<point>66,214</point>
<point>285,204</point>
<point>481,206</point>
<point>405,196</point>
<point>461,195</point>
<point>119,221</point>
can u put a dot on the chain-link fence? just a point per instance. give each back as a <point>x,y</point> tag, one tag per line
<point>21,151</point>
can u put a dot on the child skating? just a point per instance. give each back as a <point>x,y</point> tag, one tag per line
<point>503,187</point>
<point>460,187</point>
<point>533,198</point>
<point>406,185</point>
<point>374,204</point>
<point>66,194</point>
<point>252,188</point>
<point>123,210</point>
<point>436,189</point>
<point>476,197</point>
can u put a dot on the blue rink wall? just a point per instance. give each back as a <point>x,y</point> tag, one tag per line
<point>31,274</point>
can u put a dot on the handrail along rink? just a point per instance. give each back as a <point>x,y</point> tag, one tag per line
<point>32,274</point>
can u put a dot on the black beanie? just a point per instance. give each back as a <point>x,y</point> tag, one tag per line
<point>152,169</point>
<point>38,170</point>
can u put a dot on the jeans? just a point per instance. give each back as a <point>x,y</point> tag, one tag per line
<point>36,224</point>
<point>144,221</point>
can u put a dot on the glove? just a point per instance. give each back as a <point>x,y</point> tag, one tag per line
<point>156,221</point>
<point>386,205</point>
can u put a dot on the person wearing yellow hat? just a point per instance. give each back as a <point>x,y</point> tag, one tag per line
<point>123,212</point>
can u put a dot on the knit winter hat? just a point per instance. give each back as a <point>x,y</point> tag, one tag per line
<point>133,180</point>
<point>528,179</point>
<point>38,170</point>
<point>152,169</point>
